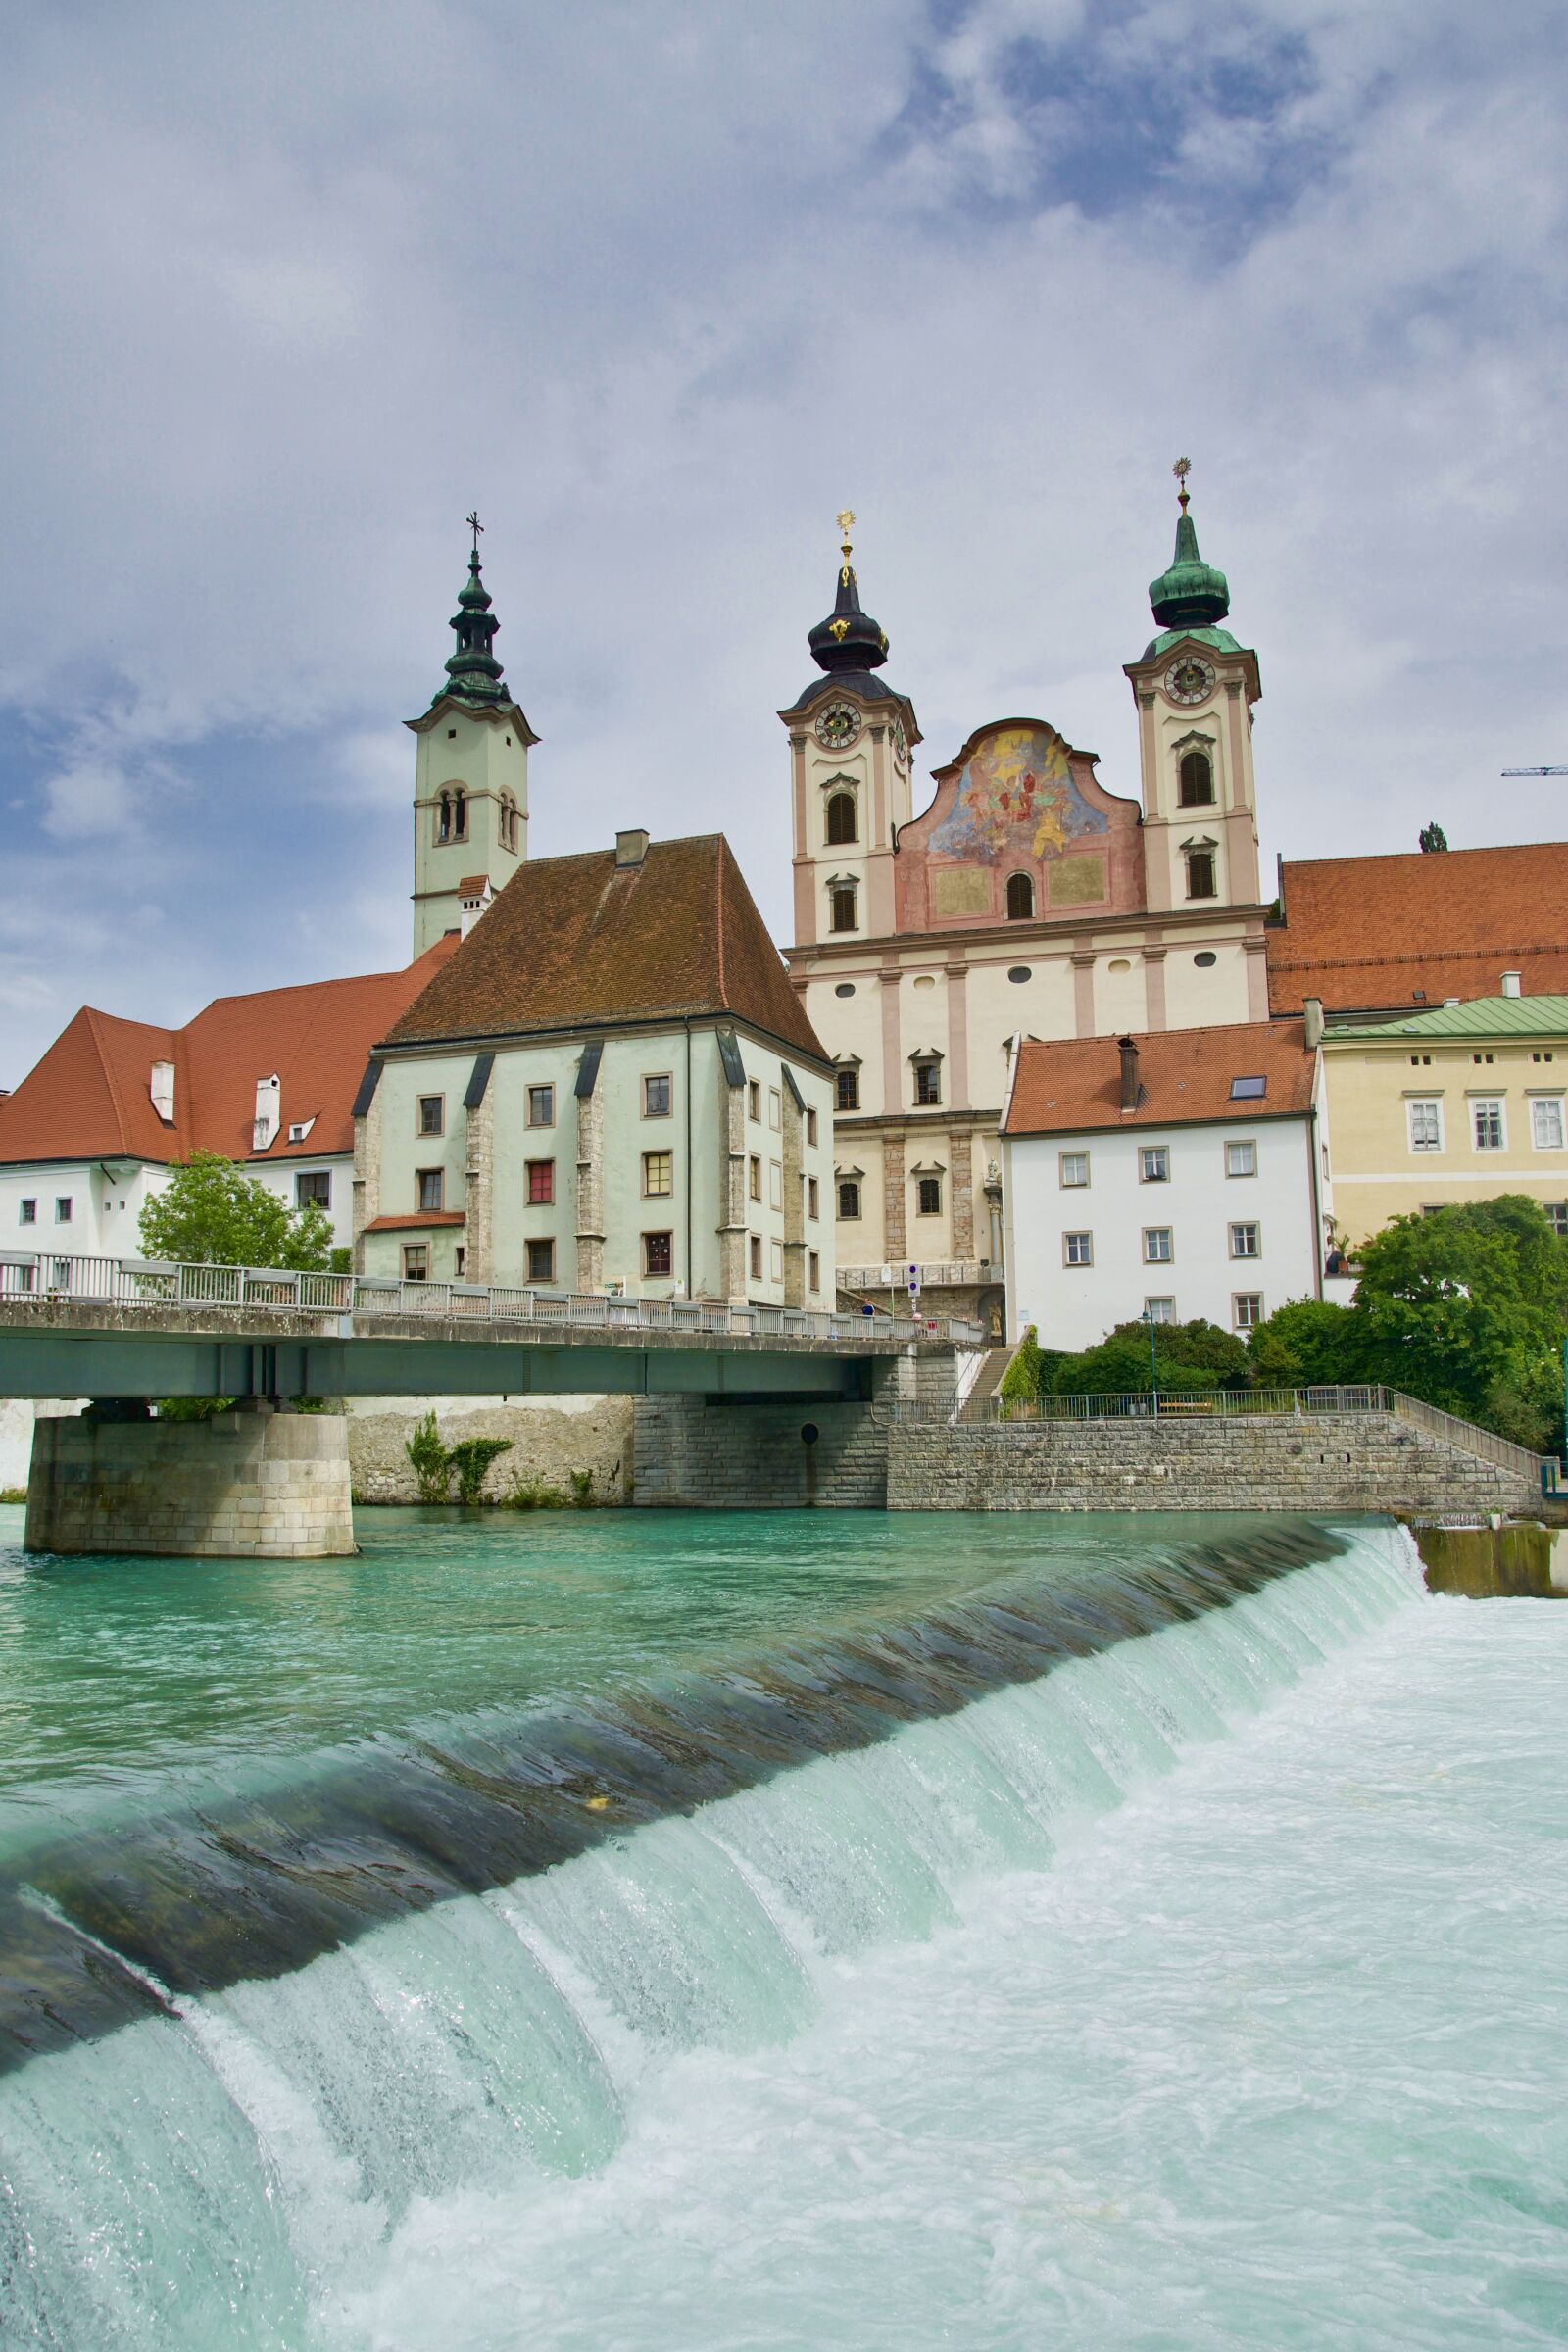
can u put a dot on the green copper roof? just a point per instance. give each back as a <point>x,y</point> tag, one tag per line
<point>474,674</point>
<point>1192,593</point>
<point>1480,1016</point>
<point>1220,639</point>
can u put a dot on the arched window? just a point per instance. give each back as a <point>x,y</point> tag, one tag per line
<point>1020,898</point>
<point>460,815</point>
<point>841,825</point>
<point>849,1198</point>
<point>1200,874</point>
<point>509,821</point>
<point>443,819</point>
<point>841,904</point>
<point>1196,789</point>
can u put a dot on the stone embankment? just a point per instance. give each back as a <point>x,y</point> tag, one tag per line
<point>252,1484</point>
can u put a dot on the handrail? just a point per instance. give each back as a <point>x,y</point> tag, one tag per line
<point>1466,1436</point>
<point>45,1278</point>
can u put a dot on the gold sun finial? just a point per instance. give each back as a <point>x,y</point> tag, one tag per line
<point>846,524</point>
<point>1181,470</point>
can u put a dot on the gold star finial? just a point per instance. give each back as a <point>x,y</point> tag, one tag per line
<point>846,524</point>
<point>1181,470</point>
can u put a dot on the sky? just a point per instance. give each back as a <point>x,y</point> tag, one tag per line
<point>662,288</point>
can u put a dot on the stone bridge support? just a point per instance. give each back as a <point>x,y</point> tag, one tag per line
<point>250,1484</point>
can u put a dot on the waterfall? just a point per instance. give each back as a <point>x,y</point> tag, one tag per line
<point>278,2025</point>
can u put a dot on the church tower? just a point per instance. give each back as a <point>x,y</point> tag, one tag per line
<point>851,738</point>
<point>1194,688</point>
<point>470,790</point>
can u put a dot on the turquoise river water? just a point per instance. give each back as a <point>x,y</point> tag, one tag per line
<point>616,1931</point>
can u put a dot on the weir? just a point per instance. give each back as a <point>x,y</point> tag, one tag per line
<point>260,2030</point>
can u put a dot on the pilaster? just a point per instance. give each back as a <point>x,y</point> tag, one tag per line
<point>478,1175</point>
<point>893,1229</point>
<point>591,1191</point>
<point>891,1055</point>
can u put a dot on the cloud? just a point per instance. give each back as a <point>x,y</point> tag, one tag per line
<point>661,290</point>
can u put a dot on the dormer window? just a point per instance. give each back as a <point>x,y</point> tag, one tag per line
<point>1196,781</point>
<point>1020,898</point>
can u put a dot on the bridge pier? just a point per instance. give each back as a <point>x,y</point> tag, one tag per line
<point>250,1484</point>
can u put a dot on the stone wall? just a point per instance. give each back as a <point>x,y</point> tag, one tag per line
<point>736,1457</point>
<point>550,1439</point>
<point>248,1485</point>
<point>1323,1462</point>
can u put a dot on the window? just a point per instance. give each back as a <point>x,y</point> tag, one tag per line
<point>1426,1125</point>
<point>1487,1118</point>
<point>658,1254</point>
<point>659,1175</point>
<point>756,1257</point>
<point>928,1196</point>
<point>29,1212</point>
<point>1243,1241</point>
<point>460,1261</point>
<point>541,1262</point>
<point>847,1088</point>
<point>1160,1310</point>
<point>509,821</point>
<point>1078,1248</point>
<point>656,1098</point>
<point>927,1082</point>
<point>1547,1056</point>
<point>1154,1163</point>
<point>1420,1061</point>
<point>810,1128</point>
<point>812,1205</point>
<point>1477,1057</point>
<point>841,825</point>
<point>1557,1217</point>
<point>849,1198</point>
<point>841,907</point>
<point>541,1106</point>
<point>1206,960</point>
<point>1020,898</point>
<point>814,1264</point>
<point>754,1176</point>
<point>754,1100</point>
<point>1157,1245</point>
<point>1196,781</point>
<point>1074,1169</point>
<point>845,987</point>
<point>1545,1124</point>
<point>1200,874</point>
<point>1241,1159</point>
<point>415,1261</point>
<point>430,1183</point>
<point>1249,1089</point>
<point>452,814</point>
<point>1248,1309</point>
<point>432,1115</point>
<point>541,1182</point>
<point>775,1109</point>
<point>775,1183</point>
<point>779,1262</point>
<point>1018,973</point>
<point>313,1188</point>
<point>65,1210</point>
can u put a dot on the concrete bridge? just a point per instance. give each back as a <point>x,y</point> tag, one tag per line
<point>119,1331</point>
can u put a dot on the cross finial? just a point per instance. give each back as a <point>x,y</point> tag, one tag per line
<point>476,526</point>
<point>1181,470</point>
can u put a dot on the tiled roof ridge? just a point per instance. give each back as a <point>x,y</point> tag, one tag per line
<point>106,1066</point>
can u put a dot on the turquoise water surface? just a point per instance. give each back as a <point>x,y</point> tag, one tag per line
<point>615,1931</point>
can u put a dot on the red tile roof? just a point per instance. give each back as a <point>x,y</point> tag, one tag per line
<point>574,943</point>
<point>89,1098</point>
<point>1382,934</point>
<point>1072,1086</point>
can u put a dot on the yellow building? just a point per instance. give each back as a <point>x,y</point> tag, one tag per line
<point>1458,1103</point>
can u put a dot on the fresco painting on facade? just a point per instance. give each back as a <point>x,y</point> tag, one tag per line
<point>1016,795</point>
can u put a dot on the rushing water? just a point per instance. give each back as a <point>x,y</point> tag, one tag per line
<point>868,1933</point>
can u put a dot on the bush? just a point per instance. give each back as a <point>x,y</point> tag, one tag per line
<point>432,1464</point>
<point>1309,1343</point>
<point>532,1494</point>
<point>1187,1356</point>
<point>582,1490</point>
<point>1022,1376</point>
<point>472,1458</point>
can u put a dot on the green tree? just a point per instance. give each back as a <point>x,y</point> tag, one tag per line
<point>1309,1343</point>
<point>212,1213</point>
<point>1187,1356</point>
<point>1022,1376</point>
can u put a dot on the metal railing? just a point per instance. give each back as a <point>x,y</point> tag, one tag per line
<point>935,1274</point>
<point>1468,1437</point>
<point>46,1278</point>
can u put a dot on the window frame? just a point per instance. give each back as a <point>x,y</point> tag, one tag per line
<point>313,1200</point>
<point>1495,1103</point>
<point>1019,914</point>
<point>843,900</point>
<point>536,1087</point>
<point>847,1081</point>
<point>539,1247</point>
<point>1203,800</point>
<point>1554,1104</point>
<point>411,1252</point>
<point>754,1100</point>
<point>1207,861</point>
<point>927,1069</point>
<point>656,1078</point>
<point>427,1181</point>
<point>754,1176</point>
<point>848,1184</point>
<point>1249,1322</point>
<point>814,1199</point>
<point>1414,1104</point>
<point>775,1110</point>
<point>1241,1143</point>
<point>658,1243</point>
<point>64,1209</point>
<point>1555,1214</point>
<point>811,1127</point>
<point>536,1170</point>
<point>1150,1152</point>
<point>1250,1225</point>
<point>421,1103</point>
<point>1157,1257</point>
<point>1088,1256</point>
<point>841,797</point>
<point>655,1163</point>
<point>753,1256</point>
<point>1072,1184</point>
<point>28,1210</point>
<point>1149,1306</point>
<point>924,1185</point>
<point>814,1270</point>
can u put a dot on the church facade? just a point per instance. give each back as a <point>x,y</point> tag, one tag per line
<point>1024,900</point>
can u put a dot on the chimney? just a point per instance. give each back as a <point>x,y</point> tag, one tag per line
<point>631,847</point>
<point>1313,1022</point>
<point>267,1103</point>
<point>1127,1048</point>
<point>160,1087</point>
<point>1513,984</point>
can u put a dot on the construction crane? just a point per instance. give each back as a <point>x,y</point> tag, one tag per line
<point>1536,771</point>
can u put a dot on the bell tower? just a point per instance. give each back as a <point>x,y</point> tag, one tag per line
<point>1195,688</point>
<point>470,788</point>
<point>851,742</point>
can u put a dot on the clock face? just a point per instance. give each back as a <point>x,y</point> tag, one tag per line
<point>901,746</point>
<point>838,726</point>
<point>1190,680</point>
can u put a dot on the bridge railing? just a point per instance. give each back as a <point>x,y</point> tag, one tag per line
<point>45,1277</point>
<point>1144,1405</point>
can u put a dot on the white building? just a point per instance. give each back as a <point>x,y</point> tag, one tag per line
<point>1180,1174</point>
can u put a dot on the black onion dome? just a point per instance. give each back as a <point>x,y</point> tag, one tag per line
<point>849,639</point>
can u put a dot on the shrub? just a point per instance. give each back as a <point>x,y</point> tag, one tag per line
<point>1307,1343</point>
<point>582,1489</point>
<point>1022,1376</point>
<point>432,1464</point>
<point>472,1458</point>
<point>532,1494</point>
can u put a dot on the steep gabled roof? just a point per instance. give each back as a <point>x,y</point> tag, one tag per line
<point>581,943</point>
<point>1072,1086</point>
<point>1393,933</point>
<point>89,1098</point>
